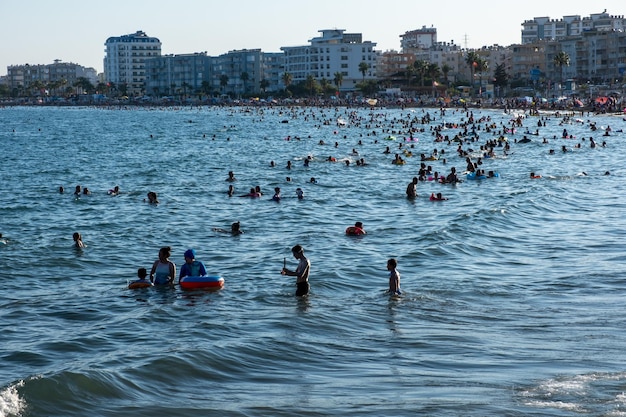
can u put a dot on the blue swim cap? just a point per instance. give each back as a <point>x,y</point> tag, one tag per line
<point>190,253</point>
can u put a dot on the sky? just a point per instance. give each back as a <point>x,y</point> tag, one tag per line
<point>40,31</point>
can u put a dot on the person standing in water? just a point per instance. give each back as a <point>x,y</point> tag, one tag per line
<point>411,189</point>
<point>163,270</point>
<point>394,277</point>
<point>301,273</point>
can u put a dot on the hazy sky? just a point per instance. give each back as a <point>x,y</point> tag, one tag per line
<point>40,31</point>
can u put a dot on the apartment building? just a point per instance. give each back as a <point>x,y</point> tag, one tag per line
<point>178,75</point>
<point>547,29</point>
<point>58,74</point>
<point>333,52</point>
<point>124,62</point>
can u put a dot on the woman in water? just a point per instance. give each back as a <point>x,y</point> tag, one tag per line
<point>163,270</point>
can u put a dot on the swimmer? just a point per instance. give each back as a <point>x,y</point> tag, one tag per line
<point>252,194</point>
<point>276,196</point>
<point>437,197</point>
<point>114,191</point>
<point>235,229</point>
<point>231,176</point>
<point>78,240</point>
<point>152,198</point>
<point>77,191</point>
<point>299,193</point>
<point>313,180</point>
<point>231,190</point>
<point>356,230</point>
<point>3,241</point>
<point>61,190</point>
<point>86,191</point>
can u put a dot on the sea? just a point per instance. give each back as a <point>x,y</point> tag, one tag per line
<point>513,289</point>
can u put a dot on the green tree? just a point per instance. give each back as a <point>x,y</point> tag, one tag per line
<point>471,59</point>
<point>482,66</point>
<point>445,70</point>
<point>363,68</point>
<point>421,68</point>
<point>85,85</point>
<point>500,77</point>
<point>223,82</point>
<point>244,79</point>
<point>205,88</point>
<point>287,79</point>
<point>264,84</point>
<point>433,71</point>
<point>368,88</point>
<point>338,79</point>
<point>561,60</point>
<point>185,85</point>
<point>37,87</point>
<point>311,84</point>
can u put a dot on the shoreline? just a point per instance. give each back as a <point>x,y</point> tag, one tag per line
<point>505,106</point>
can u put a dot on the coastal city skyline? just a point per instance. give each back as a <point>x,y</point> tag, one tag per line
<point>75,32</point>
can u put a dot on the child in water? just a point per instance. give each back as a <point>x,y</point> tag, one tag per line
<point>142,274</point>
<point>78,240</point>
<point>394,277</point>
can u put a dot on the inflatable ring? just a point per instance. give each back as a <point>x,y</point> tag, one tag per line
<point>140,283</point>
<point>209,282</point>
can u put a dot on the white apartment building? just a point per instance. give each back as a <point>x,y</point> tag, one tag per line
<point>546,29</point>
<point>423,38</point>
<point>124,63</point>
<point>335,51</point>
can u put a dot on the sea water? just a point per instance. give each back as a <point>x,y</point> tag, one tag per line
<point>514,291</point>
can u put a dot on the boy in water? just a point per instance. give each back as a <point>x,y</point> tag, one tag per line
<point>394,277</point>
<point>142,274</point>
<point>301,272</point>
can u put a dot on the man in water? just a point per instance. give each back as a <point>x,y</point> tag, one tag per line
<point>301,272</point>
<point>411,189</point>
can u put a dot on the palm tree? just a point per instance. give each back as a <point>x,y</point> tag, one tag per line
<point>409,72</point>
<point>445,70</point>
<point>471,59</point>
<point>37,87</point>
<point>311,84</point>
<point>185,86</point>
<point>433,71</point>
<point>324,85</point>
<point>287,78</point>
<point>264,84</point>
<point>421,67</point>
<point>560,60</point>
<point>363,67</point>
<point>223,82</point>
<point>205,87</point>
<point>338,79</point>
<point>482,66</point>
<point>244,78</point>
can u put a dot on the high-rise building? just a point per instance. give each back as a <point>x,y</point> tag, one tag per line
<point>333,52</point>
<point>124,63</point>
